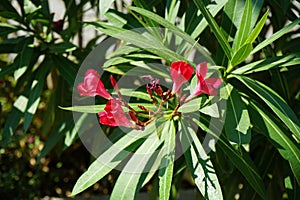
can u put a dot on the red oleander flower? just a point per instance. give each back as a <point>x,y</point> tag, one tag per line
<point>92,85</point>
<point>181,72</point>
<point>114,114</point>
<point>204,86</point>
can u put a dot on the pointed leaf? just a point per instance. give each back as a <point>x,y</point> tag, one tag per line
<point>165,173</point>
<point>275,102</point>
<point>237,122</point>
<point>199,163</point>
<point>242,161</point>
<point>244,28</point>
<point>215,28</point>
<point>276,134</point>
<point>241,54</point>
<point>111,158</point>
<point>275,36</point>
<point>127,184</point>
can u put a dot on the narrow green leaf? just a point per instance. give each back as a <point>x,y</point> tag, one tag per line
<point>36,89</point>
<point>62,47</point>
<point>111,158</point>
<point>269,63</point>
<point>199,163</point>
<point>237,122</point>
<point>56,136</point>
<point>275,36</point>
<point>255,32</point>
<point>85,109</point>
<point>171,11</point>
<point>132,172</point>
<point>178,32</point>
<point>215,28</point>
<point>144,41</point>
<point>191,106</point>
<point>13,120</point>
<point>165,173</point>
<point>104,5</point>
<point>241,54</point>
<point>29,7</point>
<point>214,9</point>
<point>211,110</point>
<point>244,28</point>
<point>275,102</point>
<point>66,67</point>
<point>242,161</point>
<point>276,134</point>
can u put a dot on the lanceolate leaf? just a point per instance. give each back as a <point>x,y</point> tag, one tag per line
<point>215,28</point>
<point>275,102</point>
<point>136,166</point>
<point>148,43</point>
<point>242,161</point>
<point>199,163</point>
<point>275,36</point>
<point>110,159</point>
<point>255,32</point>
<point>37,86</point>
<point>165,173</point>
<point>104,5</point>
<point>241,54</point>
<point>276,134</point>
<point>270,63</point>
<point>237,122</point>
<point>244,28</point>
<point>173,28</point>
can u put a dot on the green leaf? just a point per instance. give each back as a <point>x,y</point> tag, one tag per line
<point>72,134</point>
<point>215,28</point>
<point>62,47</point>
<point>85,109</point>
<point>175,30</point>
<point>244,28</point>
<point>191,106</point>
<point>144,41</point>
<point>275,102</point>
<point>275,36</point>
<point>269,63</point>
<point>29,7</point>
<point>13,119</point>
<point>165,173</point>
<point>127,184</point>
<point>36,89</point>
<point>237,122</point>
<point>241,54</point>
<point>56,136</point>
<point>171,11</point>
<point>275,132</point>
<point>199,163</point>
<point>111,158</point>
<point>213,8</point>
<point>6,29</point>
<point>104,5</point>
<point>66,68</point>
<point>211,110</point>
<point>255,32</point>
<point>242,161</point>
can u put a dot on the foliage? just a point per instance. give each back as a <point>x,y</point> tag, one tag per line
<point>257,152</point>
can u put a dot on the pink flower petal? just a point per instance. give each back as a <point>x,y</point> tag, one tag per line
<point>114,115</point>
<point>180,72</point>
<point>92,85</point>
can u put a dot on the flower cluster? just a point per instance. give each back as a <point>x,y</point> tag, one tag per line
<point>114,114</point>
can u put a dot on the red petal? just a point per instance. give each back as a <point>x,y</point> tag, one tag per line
<point>92,85</point>
<point>180,72</point>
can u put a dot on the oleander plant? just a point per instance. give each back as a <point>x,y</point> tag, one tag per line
<point>169,95</point>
